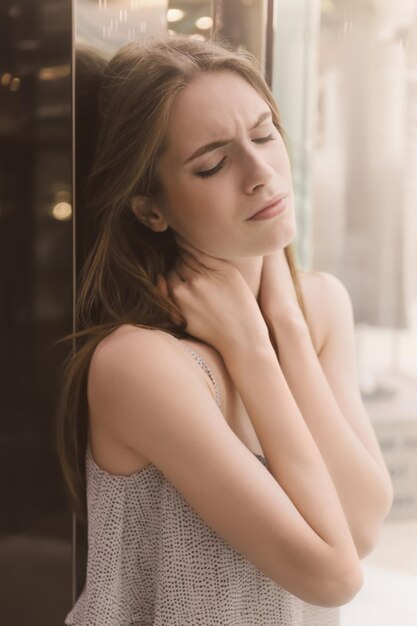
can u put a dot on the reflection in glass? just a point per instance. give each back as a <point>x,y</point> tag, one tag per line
<point>108,25</point>
<point>191,17</point>
<point>244,24</point>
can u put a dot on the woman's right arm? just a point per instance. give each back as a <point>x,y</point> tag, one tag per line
<point>289,523</point>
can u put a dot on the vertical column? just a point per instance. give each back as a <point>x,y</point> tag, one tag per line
<point>35,306</point>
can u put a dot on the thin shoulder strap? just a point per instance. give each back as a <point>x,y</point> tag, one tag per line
<point>202,364</point>
<point>206,368</point>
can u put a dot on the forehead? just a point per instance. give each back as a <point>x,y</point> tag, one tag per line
<point>209,108</point>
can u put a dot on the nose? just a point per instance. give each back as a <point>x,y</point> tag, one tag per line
<point>256,170</point>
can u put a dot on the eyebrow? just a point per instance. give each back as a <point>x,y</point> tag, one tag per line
<point>222,142</point>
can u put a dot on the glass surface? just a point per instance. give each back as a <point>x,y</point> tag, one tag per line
<point>296,26</point>
<point>104,27</point>
<point>35,307</point>
<point>108,25</point>
<point>345,78</point>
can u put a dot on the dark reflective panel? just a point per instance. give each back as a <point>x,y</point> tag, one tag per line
<point>35,306</point>
<point>101,28</point>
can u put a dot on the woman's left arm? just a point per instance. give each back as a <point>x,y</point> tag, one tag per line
<point>326,389</point>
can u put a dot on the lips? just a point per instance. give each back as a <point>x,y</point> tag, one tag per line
<point>268,204</point>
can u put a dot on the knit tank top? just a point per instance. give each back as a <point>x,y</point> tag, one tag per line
<point>152,561</point>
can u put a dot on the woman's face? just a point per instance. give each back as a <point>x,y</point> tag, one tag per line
<point>208,194</point>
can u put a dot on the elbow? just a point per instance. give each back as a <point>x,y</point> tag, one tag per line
<point>344,587</point>
<point>344,580</point>
<point>366,541</point>
<point>366,545</point>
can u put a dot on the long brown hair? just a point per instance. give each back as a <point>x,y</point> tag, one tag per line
<point>118,282</point>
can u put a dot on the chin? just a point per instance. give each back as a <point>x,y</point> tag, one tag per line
<point>280,238</point>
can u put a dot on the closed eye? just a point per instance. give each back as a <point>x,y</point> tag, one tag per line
<point>264,139</point>
<point>215,169</point>
<point>219,166</point>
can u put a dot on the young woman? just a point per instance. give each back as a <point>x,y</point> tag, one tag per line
<point>232,476</point>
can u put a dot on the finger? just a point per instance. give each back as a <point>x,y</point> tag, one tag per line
<point>173,279</point>
<point>185,272</point>
<point>162,284</point>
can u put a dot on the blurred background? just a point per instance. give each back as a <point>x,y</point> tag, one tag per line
<point>344,74</point>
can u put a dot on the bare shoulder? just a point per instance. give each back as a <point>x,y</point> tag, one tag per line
<point>317,284</point>
<point>325,297</point>
<point>133,346</point>
<point>123,335</point>
<point>132,349</point>
<point>133,370</point>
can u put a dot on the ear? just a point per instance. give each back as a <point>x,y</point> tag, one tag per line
<point>148,213</point>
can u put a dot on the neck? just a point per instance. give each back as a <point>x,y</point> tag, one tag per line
<point>251,270</point>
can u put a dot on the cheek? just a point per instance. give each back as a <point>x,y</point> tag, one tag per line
<point>281,153</point>
<point>179,201</point>
<point>197,209</point>
<point>281,159</point>
<point>213,198</point>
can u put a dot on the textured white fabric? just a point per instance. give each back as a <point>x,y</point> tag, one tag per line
<point>152,561</point>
